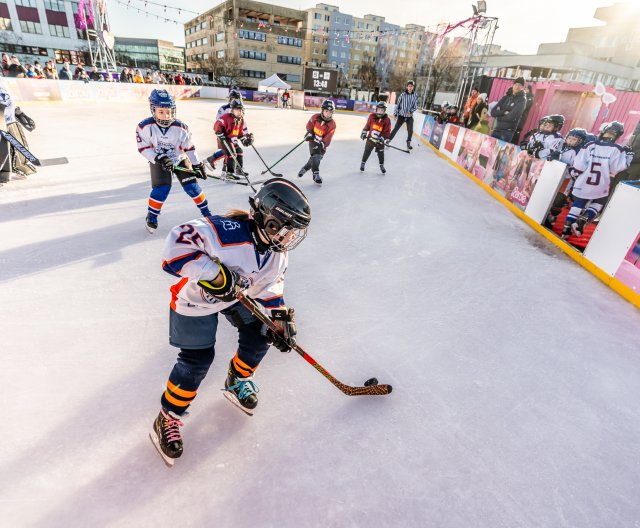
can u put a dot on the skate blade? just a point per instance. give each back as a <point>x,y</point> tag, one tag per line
<point>234,399</point>
<point>156,442</point>
<point>151,230</point>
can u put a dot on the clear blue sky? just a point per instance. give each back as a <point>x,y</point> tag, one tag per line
<point>522,25</point>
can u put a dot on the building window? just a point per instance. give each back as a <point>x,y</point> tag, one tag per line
<point>316,40</point>
<point>220,54</point>
<point>315,51</point>
<point>220,36</point>
<point>27,3</point>
<point>253,74</point>
<point>54,5</point>
<point>253,55</point>
<point>334,53</point>
<point>5,24</point>
<point>356,57</point>
<point>317,16</point>
<point>253,35</point>
<point>289,77</point>
<point>59,31</point>
<point>288,41</point>
<point>326,18</point>
<point>289,60</point>
<point>343,55</point>
<point>30,27</point>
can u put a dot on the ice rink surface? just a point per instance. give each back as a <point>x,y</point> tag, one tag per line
<point>516,373</point>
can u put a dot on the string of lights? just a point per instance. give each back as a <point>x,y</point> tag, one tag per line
<point>318,35</point>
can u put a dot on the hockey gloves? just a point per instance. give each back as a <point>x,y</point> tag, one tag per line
<point>309,136</point>
<point>363,135</point>
<point>232,282</point>
<point>25,120</point>
<point>286,339</point>
<point>247,140</point>
<point>199,170</point>
<point>319,147</point>
<point>165,161</point>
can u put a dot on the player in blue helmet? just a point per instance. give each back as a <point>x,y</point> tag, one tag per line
<point>163,108</point>
<point>165,143</point>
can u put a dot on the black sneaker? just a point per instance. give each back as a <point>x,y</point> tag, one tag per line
<point>382,169</point>
<point>317,178</point>
<point>242,392</point>
<point>165,435</point>
<point>152,223</point>
<point>362,166</point>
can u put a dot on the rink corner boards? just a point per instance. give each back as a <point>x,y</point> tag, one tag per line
<point>616,285</point>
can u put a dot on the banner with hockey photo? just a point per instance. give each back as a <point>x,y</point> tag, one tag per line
<point>629,270</point>
<point>427,127</point>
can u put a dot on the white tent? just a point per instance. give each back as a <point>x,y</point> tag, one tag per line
<point>272,84</point>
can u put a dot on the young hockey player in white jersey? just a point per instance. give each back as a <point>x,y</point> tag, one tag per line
<point>166,143</point>
<point>576,139</point>
<point>595,164</point>
<point>234,95</point>
<point>214,258</point>
<point>546,139</point>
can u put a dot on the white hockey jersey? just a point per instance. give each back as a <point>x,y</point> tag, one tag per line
<point>549,141</point>
<point>191,250</point>
<point>595,164</point>
<point>10,110</point>
<point>175,141</point>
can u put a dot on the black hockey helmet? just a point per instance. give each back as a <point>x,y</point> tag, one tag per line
<point>327,104</point>
<point>281,213</point>
<point>557,120</point>
<point>381,105</point>
<point>615,127</point>
<point>235,94</point>
<point>236,103</point>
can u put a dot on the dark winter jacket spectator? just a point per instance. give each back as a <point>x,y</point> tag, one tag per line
<point>96,75</point>
<point>508,111</point>
<point>79,73</point>
<point>126,75</point>
<point>65,72</point>
<point>16,69</point>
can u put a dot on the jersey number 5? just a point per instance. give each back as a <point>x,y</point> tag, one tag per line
<point>594,179</point>
<point>189,235</point>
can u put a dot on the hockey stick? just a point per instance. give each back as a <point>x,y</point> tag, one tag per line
<point>54,161</point>
<point>272,166</point>
<point>242,171</point>
<point>177,168</point>
<point>391,146</point>
<point>275,174</point>
<point>20,148</point>
<point>371,387</point>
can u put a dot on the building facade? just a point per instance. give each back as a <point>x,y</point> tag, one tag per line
<point>149,54</point>
<point>39,30</point>
<point>608,53</point>
<point>263,38</point>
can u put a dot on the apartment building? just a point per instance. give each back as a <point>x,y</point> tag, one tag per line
<point>39,30</point>
<point>266,38</point>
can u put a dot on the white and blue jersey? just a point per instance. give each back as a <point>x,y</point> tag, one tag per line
<point>595,164</point>
<point>191,251</point>
<point>10,107</point>
<point>550,142</point>
<point>174,141</point>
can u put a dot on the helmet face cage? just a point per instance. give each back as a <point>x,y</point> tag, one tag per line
<point>329,106</point>
<point>615,128</point>
<point>381,109</point>
<point>579,136</point>
<point>283,236</point>
<point>283,226</point>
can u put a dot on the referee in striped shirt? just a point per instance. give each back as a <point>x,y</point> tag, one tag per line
<point>406,105</point>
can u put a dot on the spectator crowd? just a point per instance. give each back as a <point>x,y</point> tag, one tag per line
<point>11,67</point>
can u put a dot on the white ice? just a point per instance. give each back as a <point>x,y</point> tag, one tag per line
<point>516,373</point>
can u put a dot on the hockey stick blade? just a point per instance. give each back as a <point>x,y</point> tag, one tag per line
<point>53,161</point>
<point>372,390</point>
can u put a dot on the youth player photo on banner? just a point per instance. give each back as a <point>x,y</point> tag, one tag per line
<point>469,150</point>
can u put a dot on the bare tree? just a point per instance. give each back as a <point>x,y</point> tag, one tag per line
<point>444,73</point>
<point>369,74</point>
<point>225,70</point>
